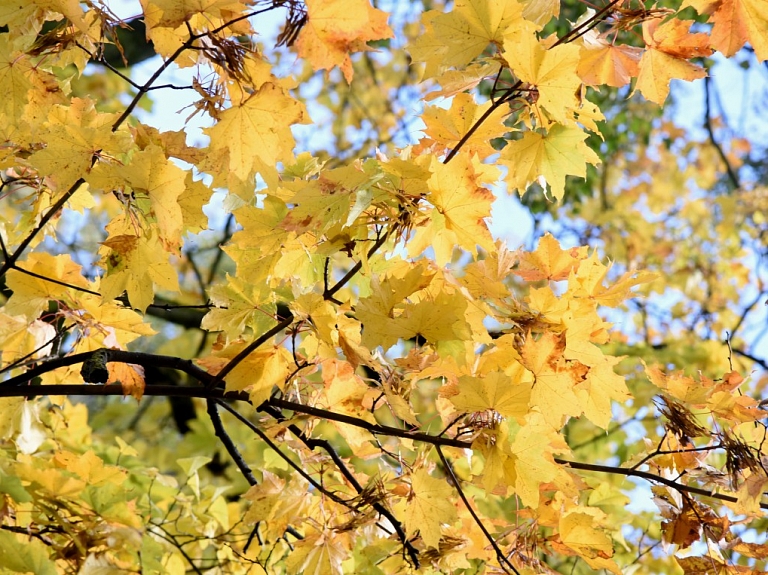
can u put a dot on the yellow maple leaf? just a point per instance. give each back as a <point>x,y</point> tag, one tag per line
<point>276,502</point>
<point>439,318</point>
<point>428,507</point>
<point>320,554</point>
<point>549,261</point>
<point>134,264</point>
<point>587,281</point>
<point>129,376</point>
<point>241,305</point>
<point>579,532</point>
<point>555,378</point>
<point>257,374</point>
<point>153,176</point>
<point>665,58</point>
<point>601,385</point>
<point>345,392</point>
<point>552,71</point>
<point>74,135</point>
<point>485,278</point>
<point>548,158</point>
<point>255,135</point>
<point>334,30</point>
<point>19,78</point>
<point>446,127</point>
<point>541,11</point>
<point>495,391</point>
<point>456,38</point>
<point>455,82</point>
<point>175,12</point>
<point>191,201</point>
<point>531,463</point>
<point>461,204</point>
<point>20,338</point>
<point>106,323</point>
<point>326,201</point>
<point>31,294</point>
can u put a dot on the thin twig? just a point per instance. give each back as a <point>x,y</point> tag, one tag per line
<point>235,361</point>
<point>24,358</point>
<point>10,261</point>
<point>312,443</point>
<point>329,293</point>
<point>54,281</point>
<point>266,439</point>
<point>455,481</point>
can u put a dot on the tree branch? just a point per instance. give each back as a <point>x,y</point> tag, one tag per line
<point>229,445</point>
<point>650,477</point>
<point>117,355</point>
<point>711,132</point>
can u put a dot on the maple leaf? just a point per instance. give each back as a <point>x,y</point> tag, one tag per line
<point>336,29</point>
<point>134,264</point>
<point>175,13</point>
<point>153,176</point>
<point>74,135</point>
<point>555,378</point>
<point>531,462</point>
<point>603,62</point>
<point>130,377</point>
<point>601,385</point>
<point>324,202</point>
<point>485,278</point>
<point>665,59</point>
<point>31,294</point>
<point>455,82</point>
<point>276,502</point>
<point>577,531</point>
<point>456,38</point>
<point>735,22</point>
<point>320,554</point>
<point>257,374</point>
<point>428,507</point>
<point>552,71</point>
<point>25,556</point>
<point>447,127</point>
<point>588,279</point>
<point>241,305</point>
<point>19,338</point>
<point>549,261</point>
<point>254,135</point>
<point>494,391</point>
<point>461,203</point>
<point>548,158</point>
<point>19,78</point>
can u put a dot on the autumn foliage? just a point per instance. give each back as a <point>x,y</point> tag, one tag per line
<point>298,346</point>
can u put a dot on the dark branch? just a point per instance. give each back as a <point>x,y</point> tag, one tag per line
<point>229,445</point>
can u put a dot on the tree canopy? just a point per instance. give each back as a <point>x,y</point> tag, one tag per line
<point>308,332</point>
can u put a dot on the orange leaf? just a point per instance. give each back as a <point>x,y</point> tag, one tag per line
<point>129,376</point>
<point>735,23</point>
<point>336,29</point>
<point>601,62</point>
